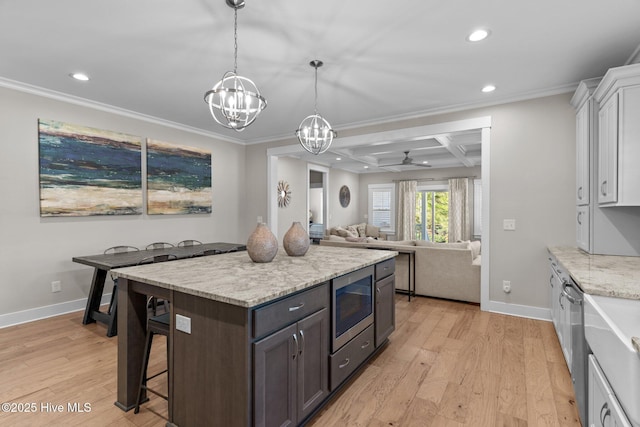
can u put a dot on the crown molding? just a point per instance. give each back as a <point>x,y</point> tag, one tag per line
<point>83,102</point>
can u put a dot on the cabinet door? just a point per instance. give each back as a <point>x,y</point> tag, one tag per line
<point>384,318</point>
<point>565,326</point>
<point>608,151</point>
<point>275,361</point>
<point>313,362</point>
<point>554,284</point>
<point>603,408</point>
<point>583,135</point>
<point>582,228</point>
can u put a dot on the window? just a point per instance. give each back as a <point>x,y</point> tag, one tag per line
<point>382,210</point>
<point>432,214</point>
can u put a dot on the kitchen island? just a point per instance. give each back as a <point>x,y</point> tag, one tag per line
<point>252,344</point>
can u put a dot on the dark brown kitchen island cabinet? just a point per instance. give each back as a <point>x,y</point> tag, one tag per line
<point>291,371</point>
<point>250,347</point>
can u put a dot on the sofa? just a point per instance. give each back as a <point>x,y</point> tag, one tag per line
<point>357,231</point>
<point>442,270</point>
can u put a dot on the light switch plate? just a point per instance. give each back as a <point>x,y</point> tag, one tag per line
<point>509,224</point>
<point>183,323</point>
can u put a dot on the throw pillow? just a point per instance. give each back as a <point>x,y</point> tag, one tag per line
<point>352,230</point>
<point>475,249</point>
<point>342,232</point>
<point>361,229</point>
<point>333,231</point>
<point>372,231</point>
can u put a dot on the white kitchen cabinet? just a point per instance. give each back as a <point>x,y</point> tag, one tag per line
<point>604,408</point>
<point>560,310</point>
<point>582,227</point>
<point>583,135</point>
<point>618,96</point>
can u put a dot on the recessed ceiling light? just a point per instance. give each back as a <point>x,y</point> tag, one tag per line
<point>338,158</point>
<point>80,76</point>
<point>488,88</point>
<point>425,162</point>
<point>366,167</point>
<point>478,35</point>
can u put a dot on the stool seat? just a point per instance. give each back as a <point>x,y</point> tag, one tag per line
<point>155,325</point>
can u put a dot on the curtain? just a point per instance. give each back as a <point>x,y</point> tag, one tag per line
<point>459,209</point>
<point>406,215</point>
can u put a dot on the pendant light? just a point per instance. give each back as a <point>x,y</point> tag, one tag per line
<point>315,133</point>
<point>235,101</point>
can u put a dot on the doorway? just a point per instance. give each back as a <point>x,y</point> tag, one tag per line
<point>317,200</point>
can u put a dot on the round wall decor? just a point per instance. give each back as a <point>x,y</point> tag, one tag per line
<point>284,194</point>
<point>345,196</point>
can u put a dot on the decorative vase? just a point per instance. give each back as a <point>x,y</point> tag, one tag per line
<point>296,240</point>
<point>262,245</point>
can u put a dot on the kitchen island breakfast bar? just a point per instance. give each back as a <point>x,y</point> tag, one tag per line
<point>257,344</point>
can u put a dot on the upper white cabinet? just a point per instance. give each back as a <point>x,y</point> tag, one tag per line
<point>618,96</point>
<point>583,135</point>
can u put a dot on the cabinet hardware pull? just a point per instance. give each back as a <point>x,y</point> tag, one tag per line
<point>607,412</point>
<point>602,187</point>
<point>560,300</point>
<point>569,297</point>
<point>295,340</point>
<point>297,307</point>
<point>551,280</point>
<point>579,215</point>
<point>580,193</point>
<point>301,341</point>
<point>366,344</point>
<point>346,362</point>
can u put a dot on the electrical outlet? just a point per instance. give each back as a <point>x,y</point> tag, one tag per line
<point>509,224</point>
<point>183,323</point>
<point>259,220</point>
<point>56,286</point>
<point>506,286</point>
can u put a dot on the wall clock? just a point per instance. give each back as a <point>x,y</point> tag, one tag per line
<point>284,194</point>
<point>345,196</point>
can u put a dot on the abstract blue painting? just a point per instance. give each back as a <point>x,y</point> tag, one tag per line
<point>178,179</point>
<point>86,171</point>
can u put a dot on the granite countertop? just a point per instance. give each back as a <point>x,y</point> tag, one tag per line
<point>610,276</point>
<point>233,278</point>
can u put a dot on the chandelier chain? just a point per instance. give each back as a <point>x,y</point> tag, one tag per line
<point>315,102</point>
<point>235,41</point>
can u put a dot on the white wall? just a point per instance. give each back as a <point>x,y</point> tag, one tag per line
<point>337,214</point>
<point>35,251</point>
<point>532,174</point>
<point>316,196</point>
<point>294,172</point>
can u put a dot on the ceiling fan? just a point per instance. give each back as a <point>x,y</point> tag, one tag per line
<point>408,161</point>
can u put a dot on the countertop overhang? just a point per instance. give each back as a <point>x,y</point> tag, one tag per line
<point>605,275</point>
<point>234,279</point>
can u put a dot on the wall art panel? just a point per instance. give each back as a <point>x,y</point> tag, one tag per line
<point>86,171</point>
<point>178,179</point>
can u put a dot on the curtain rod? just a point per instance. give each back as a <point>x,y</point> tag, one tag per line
<point>434,179</point>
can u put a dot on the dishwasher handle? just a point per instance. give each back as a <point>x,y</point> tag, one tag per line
<point>567,295</point>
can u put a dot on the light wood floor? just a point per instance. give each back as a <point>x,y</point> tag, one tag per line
<point>447,364</point>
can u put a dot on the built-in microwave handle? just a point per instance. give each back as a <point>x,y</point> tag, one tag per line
<point>297,307</point>
<point>607,412</point>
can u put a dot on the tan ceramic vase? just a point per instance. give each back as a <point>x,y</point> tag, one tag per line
<point>262,245</point>
<point>296,240</point>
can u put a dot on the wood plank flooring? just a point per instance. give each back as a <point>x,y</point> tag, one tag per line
<point>447,364</point>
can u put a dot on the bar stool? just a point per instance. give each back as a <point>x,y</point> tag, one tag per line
<point>155,325</point>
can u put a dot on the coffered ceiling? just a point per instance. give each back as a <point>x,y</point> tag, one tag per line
<point>384,60</point>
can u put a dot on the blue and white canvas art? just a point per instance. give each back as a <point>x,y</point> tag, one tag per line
<point>178,179</point>
<point>86,171</point>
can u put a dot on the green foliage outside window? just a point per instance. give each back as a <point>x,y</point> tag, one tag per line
<point>430,204</point>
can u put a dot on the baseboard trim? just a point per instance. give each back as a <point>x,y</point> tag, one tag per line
<point>538,313</point>
<point>38,313</point>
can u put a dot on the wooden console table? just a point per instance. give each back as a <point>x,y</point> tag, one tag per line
<point>102,263</point>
